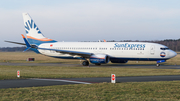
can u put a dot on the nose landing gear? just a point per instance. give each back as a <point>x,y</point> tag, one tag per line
<point>159,61</point>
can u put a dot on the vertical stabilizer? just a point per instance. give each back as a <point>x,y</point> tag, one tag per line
<point>33,33</point>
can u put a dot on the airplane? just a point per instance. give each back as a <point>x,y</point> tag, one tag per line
<point>94,52</point>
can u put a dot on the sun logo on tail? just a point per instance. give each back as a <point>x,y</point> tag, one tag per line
<point>31,27</point>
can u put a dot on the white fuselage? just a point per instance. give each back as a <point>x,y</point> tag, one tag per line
<point>123,50</point>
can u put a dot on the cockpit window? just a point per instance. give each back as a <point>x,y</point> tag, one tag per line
<point>164,48</point>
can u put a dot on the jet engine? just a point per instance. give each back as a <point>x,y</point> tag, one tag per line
<point>99,59</point>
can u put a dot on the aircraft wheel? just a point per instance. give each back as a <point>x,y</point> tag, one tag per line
<point>157,65</point>
<point>85,63</point>
<point>97,64</point>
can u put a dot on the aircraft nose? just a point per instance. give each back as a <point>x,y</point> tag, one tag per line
<point>172,54</point>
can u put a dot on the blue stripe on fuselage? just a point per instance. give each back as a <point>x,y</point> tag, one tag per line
<point>133,59</point>
<point>37,42</point>
<point>140,59</point>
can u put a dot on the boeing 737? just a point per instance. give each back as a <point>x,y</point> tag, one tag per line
<point>94,52</point>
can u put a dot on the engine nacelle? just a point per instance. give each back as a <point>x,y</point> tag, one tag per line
<point>118,61</point>
<point>99,59</point>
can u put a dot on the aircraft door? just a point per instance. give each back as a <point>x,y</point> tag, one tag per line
<point>152,50</point>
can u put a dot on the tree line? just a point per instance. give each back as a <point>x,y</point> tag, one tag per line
<point>171,43</point>
<point>12,49</point>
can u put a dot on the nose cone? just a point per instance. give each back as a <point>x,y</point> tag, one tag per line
<point>172,54</point>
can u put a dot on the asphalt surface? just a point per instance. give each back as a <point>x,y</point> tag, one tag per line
<point>49,82</point>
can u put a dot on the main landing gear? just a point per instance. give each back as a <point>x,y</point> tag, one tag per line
<point>85,63</point>
<point>157,65</point>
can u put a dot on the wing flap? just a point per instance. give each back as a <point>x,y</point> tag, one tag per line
<point>83,54</point>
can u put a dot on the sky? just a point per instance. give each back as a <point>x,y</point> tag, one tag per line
<point>92,20</point>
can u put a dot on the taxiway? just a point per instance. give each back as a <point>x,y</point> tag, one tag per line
<point>35,82</point>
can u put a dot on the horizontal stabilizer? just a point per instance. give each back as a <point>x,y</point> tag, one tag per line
<point>15,42</point>
<point>27,49</point>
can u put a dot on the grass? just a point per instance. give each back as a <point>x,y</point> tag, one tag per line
<point>136,91</point>
<point>21,57</point>
<point>9,72</point>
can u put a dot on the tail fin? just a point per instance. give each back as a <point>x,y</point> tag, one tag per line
<point>34,35</point>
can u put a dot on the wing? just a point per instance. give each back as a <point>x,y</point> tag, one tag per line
<point>82,54</point>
